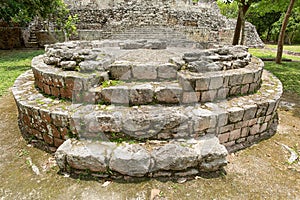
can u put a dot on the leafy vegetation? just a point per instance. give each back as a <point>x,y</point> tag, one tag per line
<point>22,12</point>
<point>109,83</point>
<point>267,16</point>
<point>12,64</point>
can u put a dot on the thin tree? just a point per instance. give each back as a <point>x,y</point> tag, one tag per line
<point>282,32</point>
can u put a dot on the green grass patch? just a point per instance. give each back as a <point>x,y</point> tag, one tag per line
<point>293,48</point>
<point>288,73</point>
<point>12,64</point>
<point>265,53</point>
<point>109,83</point>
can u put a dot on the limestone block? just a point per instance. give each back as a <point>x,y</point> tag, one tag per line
<point>250,111</point>
<point>84,156</point>
<point>245,89</point>
<point>168,94</point>
<point>68,65</point>
<point>215,82</point>
<point>222,93</point>
<point>190,97</point>
<point>209,95</point>
<point>235,134</point>
<point>173,157</point>
<point>144,72</point>
<point>141,94</point>
<point>224,137</point>
<point>235,114</point>
<point>132,160</point>
<point>88,66</point>
<point>248,78</point>
<point>202,84</point>
<point>116,94</point>
<point>254,129</point>
<point>167,71</point>
<point>235,79</point>
<point>120,70</point>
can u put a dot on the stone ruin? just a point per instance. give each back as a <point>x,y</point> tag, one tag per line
<point>145,107</point>
<point>145,19</point>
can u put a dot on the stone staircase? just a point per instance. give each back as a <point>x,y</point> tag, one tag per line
<point>32,41</point>
<point>171,36</point>
<point>144,108</point>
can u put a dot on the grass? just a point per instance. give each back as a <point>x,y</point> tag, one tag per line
<point>265,53</point>
<point>12,64</point>
<point>293,48</point>
<point>287,72</point>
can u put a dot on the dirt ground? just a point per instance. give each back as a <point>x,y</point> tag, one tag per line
<point>259,172</point>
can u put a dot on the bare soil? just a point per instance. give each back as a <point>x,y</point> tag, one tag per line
<point>259,172</point>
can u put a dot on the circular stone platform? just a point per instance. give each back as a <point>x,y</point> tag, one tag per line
<point>141,108</point>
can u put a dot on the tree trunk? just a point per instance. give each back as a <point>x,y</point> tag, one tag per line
<point>282,32</point>
<point>243,8</point>
<point>243,29</point>
<point>238,26</point>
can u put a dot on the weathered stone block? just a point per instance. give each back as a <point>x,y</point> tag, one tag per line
<point>120,71</point>
<point>116,94</point>
<point>248,78</point>
<point>68,65</point>
<point>167,71</point>
<point>168,94</point>
<point>222,93</point>
<point>245,89</point>
<point>224,137</point>
<point>202,84</point>
<point>208,95</point>
<point>132,160</point>
<point>250,111</point>
<point>173,157</point>
<point>245,132</point>
<point>190,97</point>
<point>235,114</point>
<point>144,72</point>
<point>215,83</point>
<point>235,134</point>
<point>235,79</point>
<point>141,94</point>
<point>254,129</point>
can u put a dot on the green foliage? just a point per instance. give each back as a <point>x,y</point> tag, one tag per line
<point>229,10</point>
<point>23,11</point>
<point>109,83</point>
<point>12,64</point>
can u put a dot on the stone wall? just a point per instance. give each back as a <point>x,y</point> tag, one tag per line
<point>199,23</point>
<point>11,37</point>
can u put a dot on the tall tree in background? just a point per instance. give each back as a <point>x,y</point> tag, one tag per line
<point>282,32</point>
<point>239,32</point>
<point>243,5</point>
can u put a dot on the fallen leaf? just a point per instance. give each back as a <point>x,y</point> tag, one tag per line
<point>106,183</point>
<point>154,193</point>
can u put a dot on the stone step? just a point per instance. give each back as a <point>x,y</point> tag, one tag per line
<point>148,36</point>
<point>238,122</point>
<point>139,93</point>
<point>152,159</point>
<point>32,45</point>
